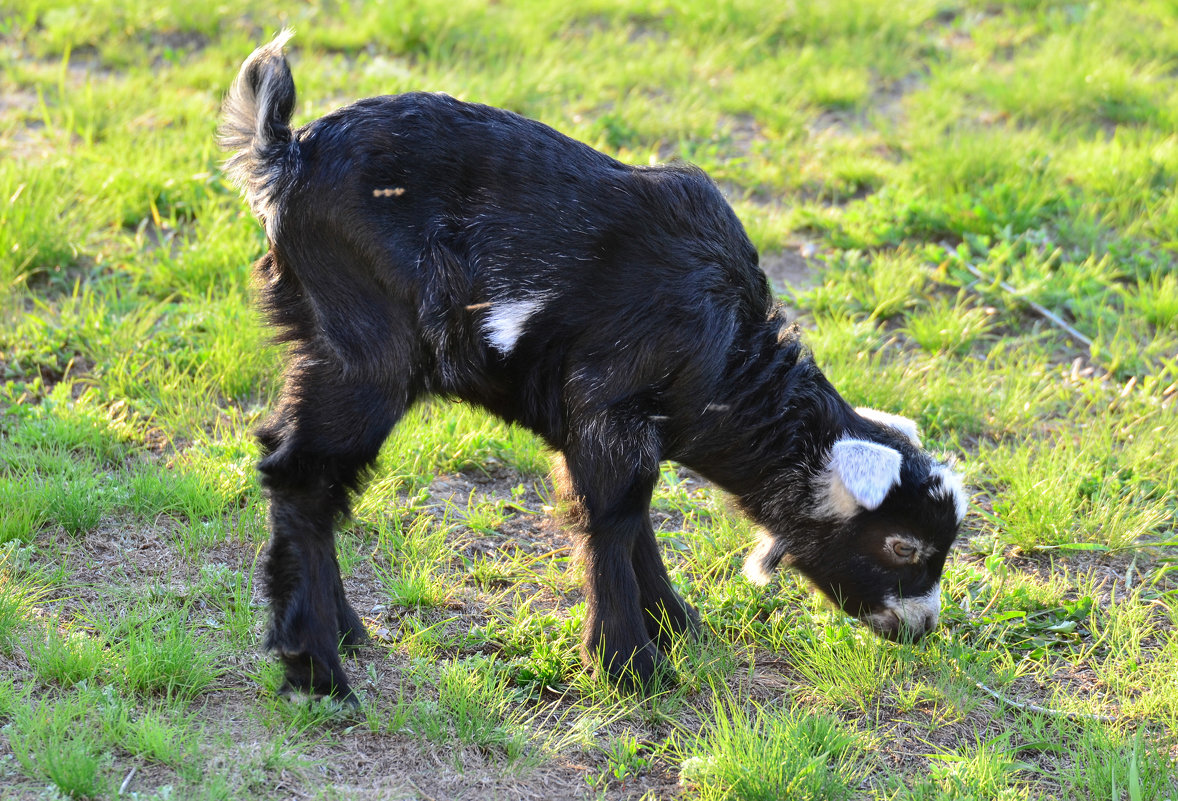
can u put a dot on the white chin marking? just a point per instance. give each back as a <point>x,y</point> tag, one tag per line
<point>918,615</point>
<point>951,487</point>
<point>505,324</point>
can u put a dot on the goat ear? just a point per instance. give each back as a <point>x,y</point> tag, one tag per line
<point>865,470</point>
<point>902,424</point>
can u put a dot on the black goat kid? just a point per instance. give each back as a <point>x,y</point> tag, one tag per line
<point>424,246</point>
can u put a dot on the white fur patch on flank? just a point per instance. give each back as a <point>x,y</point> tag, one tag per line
<point>505,324</point>
<point>902,424</point>
<point>951,487</point>
<point>861,473</point>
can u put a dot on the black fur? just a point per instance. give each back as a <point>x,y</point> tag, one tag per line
<point>401,226</point>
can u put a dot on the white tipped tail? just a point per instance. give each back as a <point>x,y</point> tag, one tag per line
<point>255,124</point>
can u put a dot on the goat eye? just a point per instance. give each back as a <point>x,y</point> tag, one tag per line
<point>904,550</point>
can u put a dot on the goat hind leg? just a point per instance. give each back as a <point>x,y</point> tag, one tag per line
<point>325,433</point>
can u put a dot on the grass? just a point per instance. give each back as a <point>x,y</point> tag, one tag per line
<point>764,754</point>
<point>930,169</point>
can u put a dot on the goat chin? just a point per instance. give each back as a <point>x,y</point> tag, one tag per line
<point>424,246</point>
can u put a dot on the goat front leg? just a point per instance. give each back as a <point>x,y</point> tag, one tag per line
<point>611,474</point>
<point>665,612</point>
<point>327,430</point>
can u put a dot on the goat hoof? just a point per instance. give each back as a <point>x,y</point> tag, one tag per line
<point>296,693</point>
<point>352,632</point>
<point>353,639</point>
<point>664,623</point>
<point>646,671</point>
<point>314,678</point>
<point>341,704</point>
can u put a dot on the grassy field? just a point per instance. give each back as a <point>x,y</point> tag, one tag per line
<point>928,182</point>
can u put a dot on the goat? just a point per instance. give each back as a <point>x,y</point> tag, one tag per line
<point>419,245</point>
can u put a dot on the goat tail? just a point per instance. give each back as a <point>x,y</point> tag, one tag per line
<point>255,124</point>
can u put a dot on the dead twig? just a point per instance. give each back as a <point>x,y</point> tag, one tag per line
<point>1027,706</point>
<point>1042,710</point>
<point>1044,312</point>
<point>127,781</point>
<point>420,793</point>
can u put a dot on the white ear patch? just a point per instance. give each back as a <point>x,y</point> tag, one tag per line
<point>902,424</point>
<point>865,471</point>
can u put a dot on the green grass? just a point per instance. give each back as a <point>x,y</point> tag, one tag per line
<point>65,657</point>
<point>55,743</point>
<point>939,166</point>
<point>763,754</point>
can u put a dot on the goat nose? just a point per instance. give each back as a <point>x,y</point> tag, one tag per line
<point>915,626</point>
<point>909,622</point>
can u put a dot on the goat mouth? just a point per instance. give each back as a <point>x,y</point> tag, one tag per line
<point>888,625</point>
<point>906,619</point>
